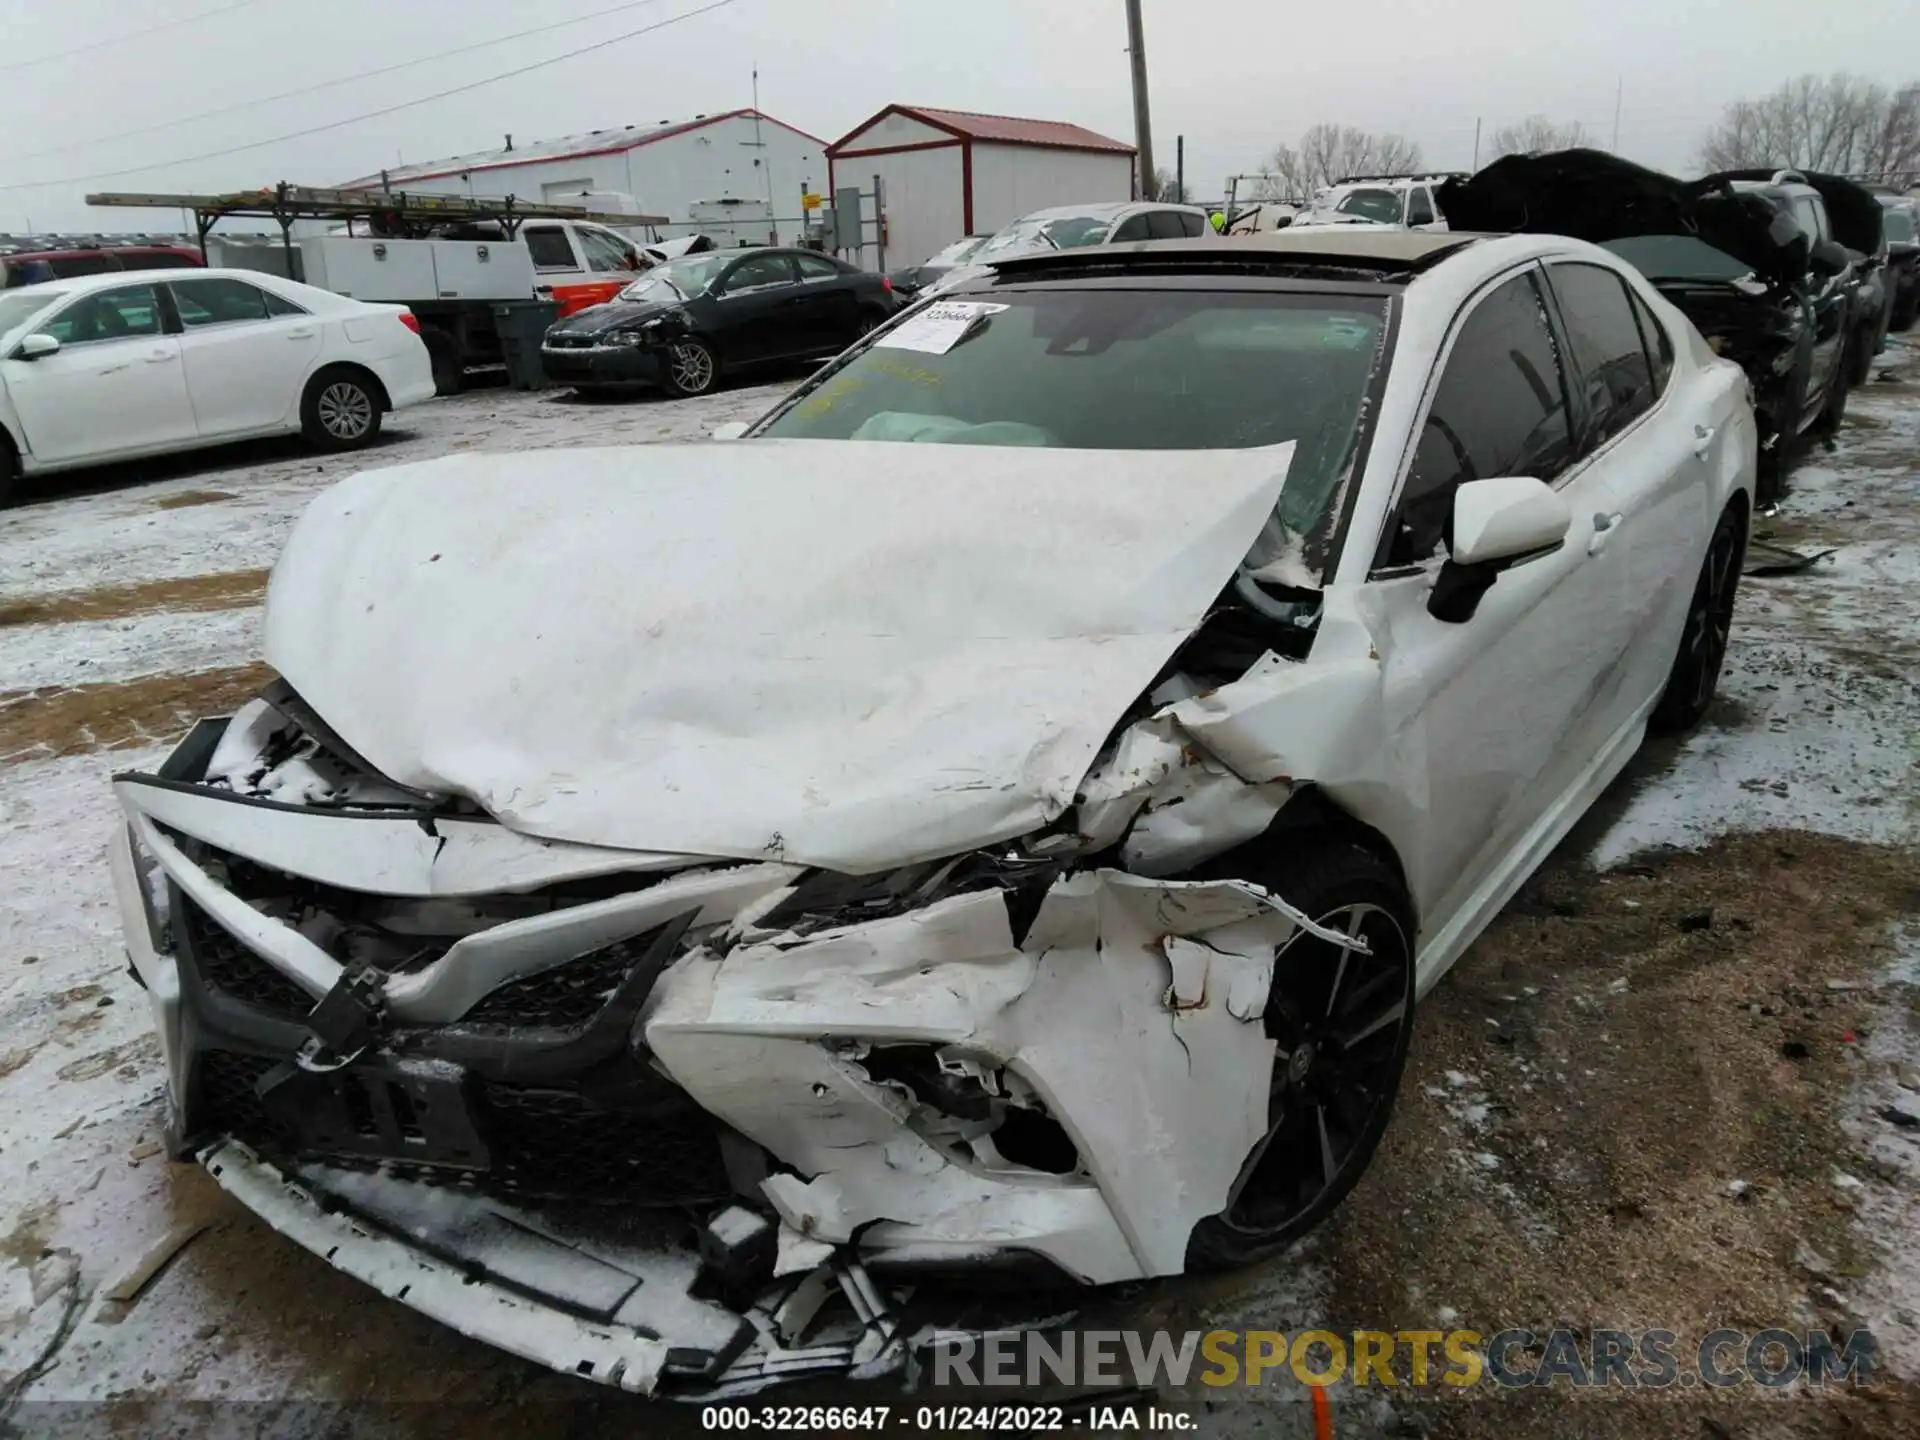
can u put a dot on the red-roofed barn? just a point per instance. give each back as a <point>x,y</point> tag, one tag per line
<point>949,173</point>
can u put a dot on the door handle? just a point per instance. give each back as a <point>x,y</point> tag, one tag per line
<point>160,357</point>
<point>1703,440</point>
<point>305,332</point>
<point>1602,524</point>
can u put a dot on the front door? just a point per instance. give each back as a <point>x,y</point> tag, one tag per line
<point>829,310</point>
<point>1482,710</point>
<point>114,387</point>
<point>760,311</point>
<point>247,354</point>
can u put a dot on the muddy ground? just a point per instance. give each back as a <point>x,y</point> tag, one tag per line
<point>1652,1095</point>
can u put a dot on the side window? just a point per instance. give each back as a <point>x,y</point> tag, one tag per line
<point>1608,352</point>
<point>72,267</point>
<point>218,301</point>
<point>124,314</point>
<point>1165,225</point>
<point>817,267</point>
<point>1810,217</point>
<point>549,246</point>
<point>758,272</point>
<point>1659,343</point>
<point>605,254</point>
<point>1500,409</point>
<point>1191,226</point>
<point>1419,207</point>
<point>1134,227</point>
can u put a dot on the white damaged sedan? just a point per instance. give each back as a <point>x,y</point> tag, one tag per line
<point>684,909</point>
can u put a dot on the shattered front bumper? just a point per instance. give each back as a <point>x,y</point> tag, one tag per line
<point>510,1131</point>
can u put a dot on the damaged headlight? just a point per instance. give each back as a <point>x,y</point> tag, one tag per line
<point>621,339</point>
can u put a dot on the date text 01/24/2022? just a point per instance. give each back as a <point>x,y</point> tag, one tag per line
<point>1021,1419</point>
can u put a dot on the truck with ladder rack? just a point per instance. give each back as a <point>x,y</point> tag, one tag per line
<point>462,264</point>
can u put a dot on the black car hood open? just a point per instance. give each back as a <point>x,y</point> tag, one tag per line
<point>1857,215</point>
<point>1593,196</point>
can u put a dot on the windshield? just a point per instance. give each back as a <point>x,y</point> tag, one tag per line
<point>956,253</point>
<point>22,305</point>
<point>1060,232</point>
<point>1899,225</point>
<point>676,280</point>
<point>1118,370</point>
<point>1677,257</point>
<point>1380,206</point>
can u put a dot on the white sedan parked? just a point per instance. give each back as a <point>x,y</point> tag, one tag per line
<point>999,813</point>
<point>119,366</point>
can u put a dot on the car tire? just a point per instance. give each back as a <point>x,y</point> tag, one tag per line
<point>449,375</point>
<point>691,368</point>
<point>341,410</point>
<point>1835,409</point>
<point>9,473</point>
<point>1694,676</point>
<point>1860,358</point>
<point>1298,1173</point>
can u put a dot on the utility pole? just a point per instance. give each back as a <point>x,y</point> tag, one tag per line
<point>1180,168</point>
<point>1619,89</point>
<point>1142,122</point>
<point>1476,142</point>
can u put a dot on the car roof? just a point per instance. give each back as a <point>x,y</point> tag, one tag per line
<point>113,279</point>
<point>1386,254</point>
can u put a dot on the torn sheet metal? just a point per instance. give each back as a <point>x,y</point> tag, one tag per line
<point>887,662</point>
<point>1131,1011</point>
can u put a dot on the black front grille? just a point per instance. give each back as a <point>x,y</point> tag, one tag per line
<point>226,1101</point>
<point>564,997</point>
<point>570,342</point>
<point>226,965</point>
<point>559,1142</point>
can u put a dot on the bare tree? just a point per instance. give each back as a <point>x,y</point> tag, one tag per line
<point>1536,135</point>
<point>1327,153</point>
<point>1841,124</point>
<point>1166,186</point>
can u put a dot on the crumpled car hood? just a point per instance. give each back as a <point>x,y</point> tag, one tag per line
<point>1594,196</point>
<point>834,654</point>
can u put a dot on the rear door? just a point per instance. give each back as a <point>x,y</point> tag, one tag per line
<point>248,353</point>
<point>756,314</point>
<point>1646,453</point>
<point>114,387</point>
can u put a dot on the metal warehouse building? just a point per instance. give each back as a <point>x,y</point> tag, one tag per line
<point>668,167</point>
<point>949,173</point>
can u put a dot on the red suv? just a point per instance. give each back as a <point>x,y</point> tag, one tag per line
<point>25,266</point>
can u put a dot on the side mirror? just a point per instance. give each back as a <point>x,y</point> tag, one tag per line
<point>1829,258</point>
<point>1497,524</point>
<point>37,345</point>
<point>732,430</point>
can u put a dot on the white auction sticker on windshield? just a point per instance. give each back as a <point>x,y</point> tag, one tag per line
<point>940,327</point>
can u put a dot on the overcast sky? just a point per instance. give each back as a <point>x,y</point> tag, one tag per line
<point>1234,76</point>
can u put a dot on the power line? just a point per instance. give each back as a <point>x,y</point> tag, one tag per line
<point>178,121</point>
<point>91,46</point>
<point>373,114</point>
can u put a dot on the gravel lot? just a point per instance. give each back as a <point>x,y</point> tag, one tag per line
<point>1639,1100</point>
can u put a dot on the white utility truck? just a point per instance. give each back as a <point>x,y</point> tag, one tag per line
<point>462,265</point>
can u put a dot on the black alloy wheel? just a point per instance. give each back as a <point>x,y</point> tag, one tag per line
<point>1703,642</point>
<point>1340,1021</point>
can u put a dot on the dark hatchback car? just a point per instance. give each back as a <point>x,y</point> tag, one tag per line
<point>1761,289</point>
<point>684,324</point>
<point>1836,209</point>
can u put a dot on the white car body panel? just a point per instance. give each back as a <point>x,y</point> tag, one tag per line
<point>901,659</point>
<point>121,399</point>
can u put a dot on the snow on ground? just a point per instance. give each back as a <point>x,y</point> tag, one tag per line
<point>104,651</point>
